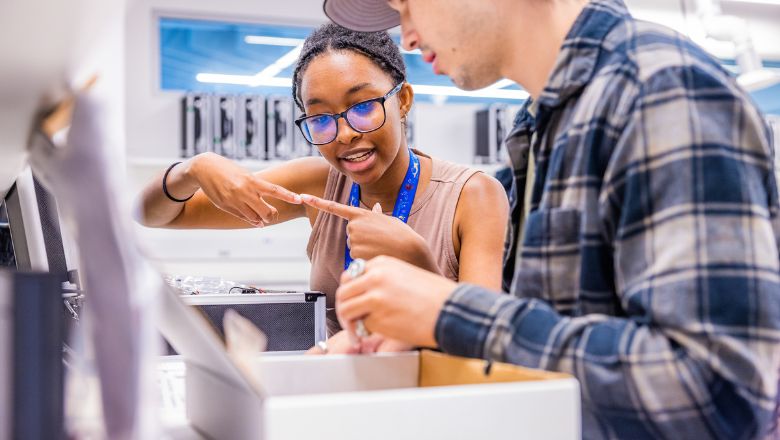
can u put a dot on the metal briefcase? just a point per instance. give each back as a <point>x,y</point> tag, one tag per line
<point>292,321</point>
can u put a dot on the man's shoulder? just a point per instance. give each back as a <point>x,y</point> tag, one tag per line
<point>643,63</point>
<point>653,55</point>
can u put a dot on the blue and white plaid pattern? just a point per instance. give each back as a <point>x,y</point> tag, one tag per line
<point>649,266</point>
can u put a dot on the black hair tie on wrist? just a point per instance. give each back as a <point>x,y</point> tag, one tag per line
<point>165,186</point>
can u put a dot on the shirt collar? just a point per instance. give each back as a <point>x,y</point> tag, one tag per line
<point>577,60</point>
<point>533,107</point>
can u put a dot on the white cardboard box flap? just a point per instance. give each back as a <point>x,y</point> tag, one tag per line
<point>386,396</point>
<point>378,397</point>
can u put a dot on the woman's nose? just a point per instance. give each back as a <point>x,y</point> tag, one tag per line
<point>345,134</point>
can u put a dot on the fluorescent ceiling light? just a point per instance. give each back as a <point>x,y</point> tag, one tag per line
<point>758,80</point>
<point>266,77</point>
<point>488,92</point>
<point>254,81</point>
<point>282,63</point>
<point>243,80</point>
<point>501,84</point>
<point>272,41</point>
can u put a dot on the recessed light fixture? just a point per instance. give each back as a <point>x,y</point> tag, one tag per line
<point>272,41</point>
<point>267,77</point>
<point>255,81</point>
<point>282,63</point>
<point>243,80</point>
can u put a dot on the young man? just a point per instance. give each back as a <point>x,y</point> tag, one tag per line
<point>648,260</point>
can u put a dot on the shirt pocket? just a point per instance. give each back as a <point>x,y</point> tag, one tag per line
<point>551,258</point>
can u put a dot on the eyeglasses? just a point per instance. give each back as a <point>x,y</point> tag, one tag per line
<point>363,117</point>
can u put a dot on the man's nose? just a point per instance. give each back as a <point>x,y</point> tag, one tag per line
<point>410,40</point>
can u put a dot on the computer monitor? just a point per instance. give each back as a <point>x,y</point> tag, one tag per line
<point>6,250</point>
<point>36,237</point>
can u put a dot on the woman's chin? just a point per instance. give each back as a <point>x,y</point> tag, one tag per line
<point>364,176</point>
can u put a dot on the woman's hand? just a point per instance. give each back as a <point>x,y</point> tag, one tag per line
<point>237,191</point>
<point>372,233</point>
<point>375,343</point>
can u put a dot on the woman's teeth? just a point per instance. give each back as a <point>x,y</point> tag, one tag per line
<point>359,157</point>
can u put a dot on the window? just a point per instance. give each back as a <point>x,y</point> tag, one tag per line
<point>222,57</point>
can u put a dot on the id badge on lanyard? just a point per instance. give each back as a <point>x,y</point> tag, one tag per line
<point>403,203</point>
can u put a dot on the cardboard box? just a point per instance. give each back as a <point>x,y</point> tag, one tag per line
<point>384,396</point>
<point>231,395</point>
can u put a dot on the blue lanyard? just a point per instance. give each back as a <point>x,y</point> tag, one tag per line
<point>403,204</point>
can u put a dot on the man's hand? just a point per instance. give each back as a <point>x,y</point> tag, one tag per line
<point>395,299</point>
<point>337,344</point>
<point>372,233</point>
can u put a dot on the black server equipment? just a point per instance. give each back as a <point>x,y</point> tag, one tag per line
<point>491,129</point>
<point>223,112</point>
<point>196,124</point>
<point>280,127</point>
<point>250,127</point>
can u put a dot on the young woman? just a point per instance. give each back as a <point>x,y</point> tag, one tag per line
<point>443,217</point>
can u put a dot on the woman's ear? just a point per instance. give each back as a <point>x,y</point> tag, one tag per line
<point>406,98</point>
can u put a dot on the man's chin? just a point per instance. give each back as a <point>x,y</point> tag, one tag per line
<point>469,82</point>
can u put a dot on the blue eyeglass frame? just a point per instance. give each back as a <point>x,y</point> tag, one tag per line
<point>337,116</point>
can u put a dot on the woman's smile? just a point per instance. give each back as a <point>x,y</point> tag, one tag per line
<point>359,161</point>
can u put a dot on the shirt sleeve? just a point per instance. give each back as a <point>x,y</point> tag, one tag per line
<point>689,201</point>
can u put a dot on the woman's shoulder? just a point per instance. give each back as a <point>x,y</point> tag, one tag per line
<point>482,200</point>
<point>475,187</point>
<point>482,186</point>
<point>446,171</point>
<point>476,183</point>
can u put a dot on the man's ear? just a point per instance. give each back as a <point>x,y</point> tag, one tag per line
<point>406,98</point>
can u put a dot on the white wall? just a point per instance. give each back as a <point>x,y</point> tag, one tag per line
<point>447,130</point>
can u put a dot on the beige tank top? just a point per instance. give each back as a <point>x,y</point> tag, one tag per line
<point>431,216</point>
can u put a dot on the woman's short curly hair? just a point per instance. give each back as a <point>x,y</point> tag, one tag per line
<point>378,46</point>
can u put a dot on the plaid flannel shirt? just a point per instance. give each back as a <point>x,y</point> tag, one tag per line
<point>649,265</point>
